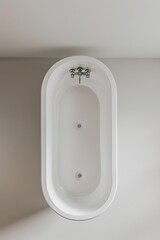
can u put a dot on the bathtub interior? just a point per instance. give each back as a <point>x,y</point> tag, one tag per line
<point>79,176</point>
<point>78,125</point>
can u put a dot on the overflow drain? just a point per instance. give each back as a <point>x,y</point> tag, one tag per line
<point>79,175</point>
<point>79,125</point>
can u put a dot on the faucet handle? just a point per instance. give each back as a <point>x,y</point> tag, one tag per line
<point>88,73</point>
<point>72,71</point>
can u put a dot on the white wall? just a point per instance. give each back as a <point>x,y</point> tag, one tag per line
<point>135,212</point>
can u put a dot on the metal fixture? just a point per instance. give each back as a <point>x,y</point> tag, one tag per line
<point>79,125</point>
<point>79,71</point>
<point>79,175</point>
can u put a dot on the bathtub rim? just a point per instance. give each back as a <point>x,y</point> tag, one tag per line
<point>110,199</point>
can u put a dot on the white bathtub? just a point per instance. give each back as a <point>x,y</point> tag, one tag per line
<point>79,172</point>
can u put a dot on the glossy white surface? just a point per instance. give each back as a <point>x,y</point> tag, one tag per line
<point>79,140</point>
<point>88,151</point>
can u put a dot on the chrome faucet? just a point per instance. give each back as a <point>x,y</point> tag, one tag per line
<point>79,71</point>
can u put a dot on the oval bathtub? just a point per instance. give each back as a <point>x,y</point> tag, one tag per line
<point>78,137</point>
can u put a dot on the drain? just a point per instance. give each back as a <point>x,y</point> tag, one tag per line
<point>79,125</point>
<point>79,175</point>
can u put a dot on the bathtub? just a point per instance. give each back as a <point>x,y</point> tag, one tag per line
<point>79,139</point>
